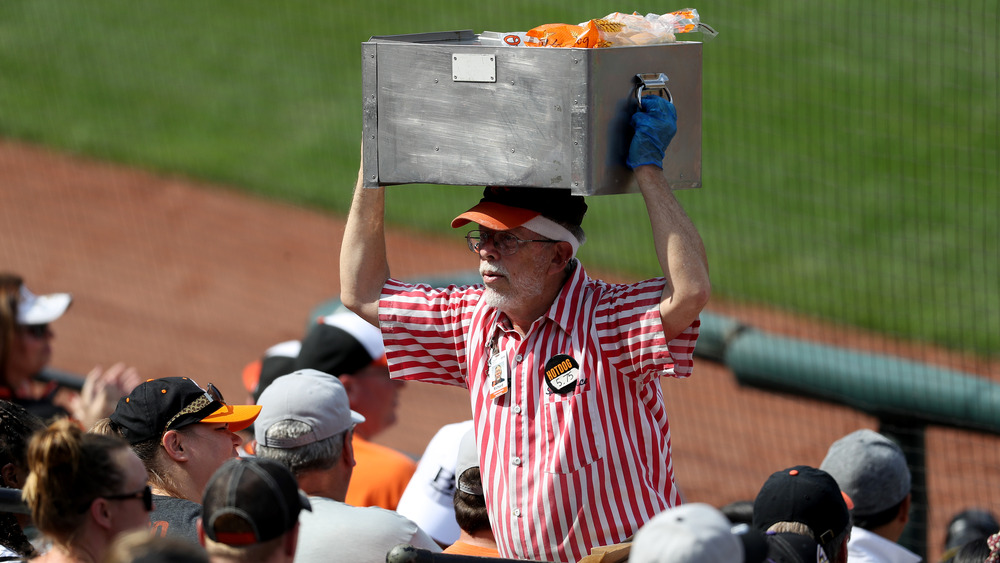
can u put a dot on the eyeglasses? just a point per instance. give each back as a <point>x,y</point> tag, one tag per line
<point>145,495</point>
<point>35,331</point>
<point>505,243</point>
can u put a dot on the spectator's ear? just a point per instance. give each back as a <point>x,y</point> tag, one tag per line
<point>348,454</point>
<point>291,541</point>
<point>201,532</point>
<point>350,385</point>
<point>10,479</point>
<point>173,445</point>
<point>843,550</point>
<point>100,513</point>
<point>904,509</point>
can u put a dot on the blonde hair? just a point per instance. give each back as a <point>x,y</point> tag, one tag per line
<point>792,528</point>
<point>69,469</point>
<point>149,453</point>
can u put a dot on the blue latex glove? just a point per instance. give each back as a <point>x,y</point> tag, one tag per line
<point>655,125</point>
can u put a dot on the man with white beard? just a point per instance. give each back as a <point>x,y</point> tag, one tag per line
<point>563,370</point>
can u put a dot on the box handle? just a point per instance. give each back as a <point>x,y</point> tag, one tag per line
<point>656,81</point>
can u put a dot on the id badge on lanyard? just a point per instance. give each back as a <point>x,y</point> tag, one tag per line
<point>498,373</point>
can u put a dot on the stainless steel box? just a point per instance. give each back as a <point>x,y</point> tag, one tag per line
<point>465,109</point>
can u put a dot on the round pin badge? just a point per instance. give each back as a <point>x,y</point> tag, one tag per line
<point>561,374</point>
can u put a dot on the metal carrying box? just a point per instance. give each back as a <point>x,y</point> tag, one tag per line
<point>466,109</point>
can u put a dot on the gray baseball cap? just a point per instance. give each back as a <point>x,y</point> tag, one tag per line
<point>696,533</point>
<point>311,397</point>
<point>871,469</point>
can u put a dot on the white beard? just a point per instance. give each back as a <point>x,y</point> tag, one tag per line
<point>519,290</point>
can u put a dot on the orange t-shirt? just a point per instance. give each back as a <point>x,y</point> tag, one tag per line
<point>380,475</point>
<point>462,548</point>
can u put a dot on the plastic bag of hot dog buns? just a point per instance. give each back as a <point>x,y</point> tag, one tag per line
<point>617,29</point>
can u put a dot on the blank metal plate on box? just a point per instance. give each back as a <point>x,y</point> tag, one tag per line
<point>474,67</point>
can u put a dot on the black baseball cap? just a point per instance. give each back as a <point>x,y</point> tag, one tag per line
<point>251,500</point>
<point>805,495</point>
<point>968,525</point>
<point>171,403</point>
<point>788,547</point>
<point>340,344</point>
<point>504,208</point>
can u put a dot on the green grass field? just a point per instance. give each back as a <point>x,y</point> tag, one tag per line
<point>850,149</point>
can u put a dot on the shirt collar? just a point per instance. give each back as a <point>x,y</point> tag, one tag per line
<point>562,311</point>
<point>878,548</point>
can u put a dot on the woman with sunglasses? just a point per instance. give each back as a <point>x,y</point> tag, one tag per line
<point>26,348</point>
<point>182,433</point>
<point>83,490</point>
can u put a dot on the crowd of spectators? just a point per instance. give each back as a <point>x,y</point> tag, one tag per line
<point>166,476</point>
<point>566,459</point>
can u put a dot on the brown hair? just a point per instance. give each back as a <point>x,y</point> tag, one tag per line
<point>10,294</point>
<point>69,469</point>
<point>470,510</point>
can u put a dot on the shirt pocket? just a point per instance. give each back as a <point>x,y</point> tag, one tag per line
<point>574,434</point>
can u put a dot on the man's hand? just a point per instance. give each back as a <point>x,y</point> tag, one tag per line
<point>655,124</point>
<point>101,391</point>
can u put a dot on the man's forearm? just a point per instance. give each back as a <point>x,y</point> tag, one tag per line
<point>363,264</point>
<point>680,251</point>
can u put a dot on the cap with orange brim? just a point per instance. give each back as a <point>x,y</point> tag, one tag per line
<point>237,416</point>
<point>171,403</point>
<point>505,208</point>
<point>496,216</point>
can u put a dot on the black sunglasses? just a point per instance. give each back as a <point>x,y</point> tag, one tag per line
<point>36,331</point>
<point>215,394</point>
<point>145,495</point>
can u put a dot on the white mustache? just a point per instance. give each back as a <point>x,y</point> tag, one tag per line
<point>493,269</point>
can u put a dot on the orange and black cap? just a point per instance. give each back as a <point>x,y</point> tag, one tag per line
<point>504,208</point>
<point>171,403</point>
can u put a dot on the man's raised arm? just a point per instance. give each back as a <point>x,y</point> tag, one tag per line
<point>364,267</point>
<point>679,247</point>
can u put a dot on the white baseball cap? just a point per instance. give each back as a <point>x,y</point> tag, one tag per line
<point>429,497</point>
<point>41,309</point>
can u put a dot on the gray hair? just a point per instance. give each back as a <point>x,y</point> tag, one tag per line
<point>319,455</point>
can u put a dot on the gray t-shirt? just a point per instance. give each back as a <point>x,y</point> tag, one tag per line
<point>335,531</point>
<point>175,517</point>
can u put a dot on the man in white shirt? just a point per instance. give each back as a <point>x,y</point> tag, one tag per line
<point>872,470</point>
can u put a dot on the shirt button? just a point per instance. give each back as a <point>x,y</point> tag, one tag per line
<point>516,461</point>
<point>518,357</point>
<point>517,409</point>
<point>517,512</point>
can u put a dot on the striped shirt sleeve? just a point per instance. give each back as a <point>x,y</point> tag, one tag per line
<point>424,331</point>
<point>631,332</point>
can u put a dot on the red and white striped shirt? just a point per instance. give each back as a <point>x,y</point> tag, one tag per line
<point>561,473</point>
